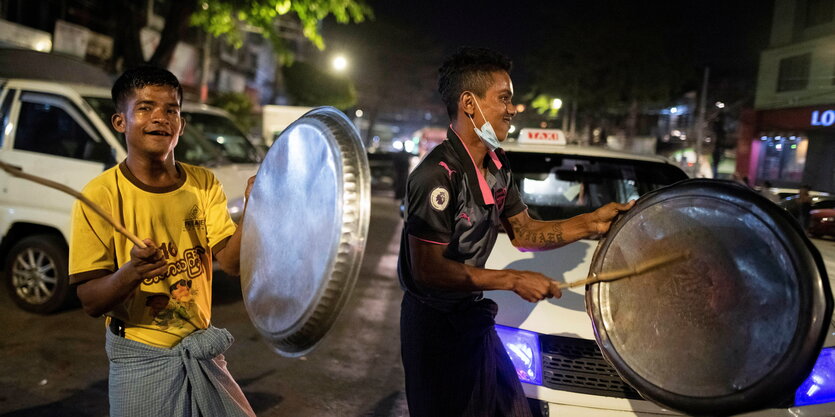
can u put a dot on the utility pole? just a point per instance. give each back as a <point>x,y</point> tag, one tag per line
<point>700,122</point>
<point>205,68</point>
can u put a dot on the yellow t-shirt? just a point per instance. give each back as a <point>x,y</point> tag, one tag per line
<point>188,222</point>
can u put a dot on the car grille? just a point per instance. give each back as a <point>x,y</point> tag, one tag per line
<point>576,365</point>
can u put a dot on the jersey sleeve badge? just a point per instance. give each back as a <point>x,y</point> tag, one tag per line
<point>439,198</point>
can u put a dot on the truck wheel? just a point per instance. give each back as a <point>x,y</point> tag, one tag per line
<point>36,274</point>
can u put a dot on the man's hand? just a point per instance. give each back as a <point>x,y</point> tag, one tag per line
<point>601,219</point>
<point>148,262</point>
<point>533,286</point>
<point>100,295</point>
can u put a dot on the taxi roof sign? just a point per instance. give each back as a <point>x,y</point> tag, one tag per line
<point>542,136</point>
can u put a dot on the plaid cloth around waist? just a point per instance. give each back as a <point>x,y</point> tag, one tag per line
<point>189,379</point>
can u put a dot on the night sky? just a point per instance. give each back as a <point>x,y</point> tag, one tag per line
<point>726,35</point>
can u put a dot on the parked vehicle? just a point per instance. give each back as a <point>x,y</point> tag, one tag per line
<point>822,219</point>
<point>62,132</point>
<point>552,343</point>
<point>276,118</point>
<point>792,205</point>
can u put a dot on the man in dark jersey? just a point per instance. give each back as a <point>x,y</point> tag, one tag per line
<point>456,201</point>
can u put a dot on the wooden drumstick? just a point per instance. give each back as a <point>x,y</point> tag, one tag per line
<point>628,272</point>
<point>17,172</point>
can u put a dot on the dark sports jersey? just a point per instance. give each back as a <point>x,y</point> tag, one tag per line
<point>449,202</point>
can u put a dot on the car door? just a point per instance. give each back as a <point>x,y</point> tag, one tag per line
<point>49,136</point>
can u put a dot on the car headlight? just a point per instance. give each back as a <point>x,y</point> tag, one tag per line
<point>523,348</point>
<point>828,220</point>
<point>819,387</point>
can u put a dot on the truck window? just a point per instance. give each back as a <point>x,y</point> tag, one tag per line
<point>561,186</point>
<point>222,132</point>
<point>52,125</point>
<point>5,114</point>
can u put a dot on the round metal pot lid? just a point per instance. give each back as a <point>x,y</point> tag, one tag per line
<point>734,326</point>
<point>304,230</point>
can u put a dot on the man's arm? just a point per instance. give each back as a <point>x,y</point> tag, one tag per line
<point>432,269</point>
<point>531,235</point>
<point>100,295</point>
<point>229,258</point>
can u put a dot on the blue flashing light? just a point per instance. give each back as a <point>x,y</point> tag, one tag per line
<point>523,348</point>
<point>819,387</point>
<point>763,137</point>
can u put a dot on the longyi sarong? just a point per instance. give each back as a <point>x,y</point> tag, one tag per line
<point>188,380</point>
<point>455,363</point>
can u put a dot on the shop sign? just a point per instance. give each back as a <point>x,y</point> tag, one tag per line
<point>823,118</point>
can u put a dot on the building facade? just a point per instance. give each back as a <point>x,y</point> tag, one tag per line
<point>789,136</point>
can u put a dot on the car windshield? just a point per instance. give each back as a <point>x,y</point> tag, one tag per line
<point>561,186</point>
<point>221,132</point>
<point>192,148</point>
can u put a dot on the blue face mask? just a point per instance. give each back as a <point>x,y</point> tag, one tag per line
<point>486,133</point>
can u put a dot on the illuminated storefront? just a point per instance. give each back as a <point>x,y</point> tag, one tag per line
<point>789,147</point>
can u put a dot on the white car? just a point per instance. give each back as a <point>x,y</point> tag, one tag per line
<point>62,132</point>
<point>552,343</point>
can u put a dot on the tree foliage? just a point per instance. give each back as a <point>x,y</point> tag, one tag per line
<point>238,105</point>
<point>310,86</point>
<point>231,19</point>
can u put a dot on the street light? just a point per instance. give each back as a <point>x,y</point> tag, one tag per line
<point>340,63</point>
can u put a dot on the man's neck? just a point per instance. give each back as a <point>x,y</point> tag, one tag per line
<point>154,172</point>
<point>464,128</point>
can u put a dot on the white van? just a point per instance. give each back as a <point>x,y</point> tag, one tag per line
<point>552,343</point>
<point>62,132</point>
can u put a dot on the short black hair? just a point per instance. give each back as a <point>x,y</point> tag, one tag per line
<point>469,69</point>
<point>140,77</point>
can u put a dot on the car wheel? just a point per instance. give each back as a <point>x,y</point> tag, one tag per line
<point>36,274</point>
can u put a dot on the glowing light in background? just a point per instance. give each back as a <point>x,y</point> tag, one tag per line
<point>340,63</point>
<point>409,146</point>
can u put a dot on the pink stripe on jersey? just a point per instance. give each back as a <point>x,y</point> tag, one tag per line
<point>495,159</point>
<point>429,241</point>
<point>486,193</point>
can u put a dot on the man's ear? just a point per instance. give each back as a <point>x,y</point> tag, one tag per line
<point>466,103</point>
<point>118,121</point>
<point>182,125</point>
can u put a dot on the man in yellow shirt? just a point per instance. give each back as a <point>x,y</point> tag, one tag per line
<point>165,357</point>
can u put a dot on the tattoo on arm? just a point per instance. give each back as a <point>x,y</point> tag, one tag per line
<point>542,237</point>
<point>557,229</point>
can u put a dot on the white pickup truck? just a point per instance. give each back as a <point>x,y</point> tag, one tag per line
<point>62,132</point>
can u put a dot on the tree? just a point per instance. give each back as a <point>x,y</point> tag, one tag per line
<point>611,60</point>
<point>238,105</point>
<point>231,18</point>
<point>310,86</point>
